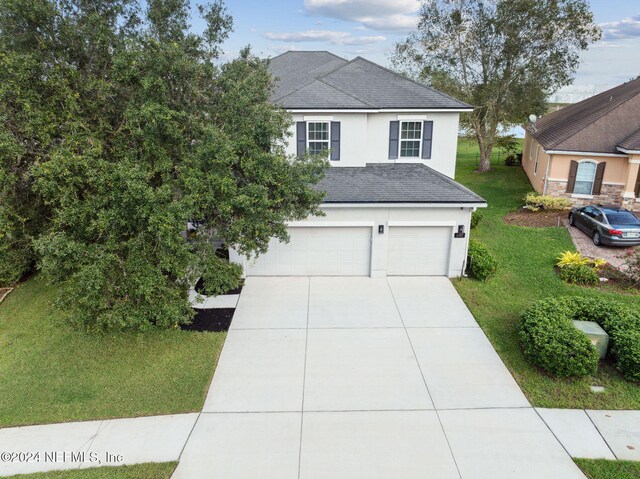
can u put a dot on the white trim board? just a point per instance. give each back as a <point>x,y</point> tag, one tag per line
<point>378,110</point>
<point>421,223</point>
<point>331,224</point>
<point>583,153</point>
<point>404,205</point>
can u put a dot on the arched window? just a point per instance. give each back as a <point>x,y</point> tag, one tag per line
<point>585,177</point>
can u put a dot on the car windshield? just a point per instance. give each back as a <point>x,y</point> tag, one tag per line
<point>622,219</point>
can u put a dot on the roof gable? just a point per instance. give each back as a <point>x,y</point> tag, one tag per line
<point>343,84</point>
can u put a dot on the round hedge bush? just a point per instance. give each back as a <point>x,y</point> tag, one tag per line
<point>550,340</point>
<point>481,264</point>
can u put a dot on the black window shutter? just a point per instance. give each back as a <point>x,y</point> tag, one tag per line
<point>301,137</point>
<point>335,140</point>
<point>597,183</point>
<point>637,190</point>
<point>427,136</point>
<point>394,134</point>
<point>573,171</point>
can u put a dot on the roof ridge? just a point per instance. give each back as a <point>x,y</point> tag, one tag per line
<point>344,92</point>
<point>314,79</point>
<point>404,77</point>
<point>603,113</point>
<point>308,51</point>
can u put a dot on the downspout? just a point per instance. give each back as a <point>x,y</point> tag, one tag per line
<point>546,176</point>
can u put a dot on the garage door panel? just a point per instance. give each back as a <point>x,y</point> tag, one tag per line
<point>317,251</point>
<point>418,251</point>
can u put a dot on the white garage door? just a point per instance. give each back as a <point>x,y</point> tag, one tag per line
<point>419,250</point>
<point>317,251</point>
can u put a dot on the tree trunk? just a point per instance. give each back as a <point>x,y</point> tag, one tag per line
<point>486,147</point>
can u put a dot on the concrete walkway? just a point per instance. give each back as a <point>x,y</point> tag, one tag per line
<point>348,378</point>
<point>75,445</point>
<point>596,434</point>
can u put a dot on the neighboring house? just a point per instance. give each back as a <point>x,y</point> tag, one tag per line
<point>392,207</point>
<point>589,151</point>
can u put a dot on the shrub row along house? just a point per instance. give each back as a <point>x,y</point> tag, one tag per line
<point>589,152</point>
<point>392,206</point>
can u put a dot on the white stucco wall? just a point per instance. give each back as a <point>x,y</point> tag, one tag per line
<point>365,138</point>
<point>383,215</point>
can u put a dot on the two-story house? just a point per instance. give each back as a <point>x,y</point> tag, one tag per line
<point>392,206</point>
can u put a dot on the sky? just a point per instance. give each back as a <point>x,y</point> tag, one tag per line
<point>370,28</point>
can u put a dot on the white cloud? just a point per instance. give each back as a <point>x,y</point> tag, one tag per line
<point>384,15</point>
<point>625,28</point>
<point>329,36</point>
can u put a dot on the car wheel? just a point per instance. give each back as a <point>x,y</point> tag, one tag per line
<point>572,220</point>
<point>596,238</point>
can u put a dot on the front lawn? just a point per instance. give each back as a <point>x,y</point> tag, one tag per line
<point>526,274</point>
<point>161,470</point>
<point>51,373</point>
<point>602,469</point>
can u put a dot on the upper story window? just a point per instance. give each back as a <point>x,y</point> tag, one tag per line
<point>410,139</point>
<point>585,177</point>
<point>317,137</point>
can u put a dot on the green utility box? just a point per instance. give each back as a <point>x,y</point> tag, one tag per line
<point>598,336</point>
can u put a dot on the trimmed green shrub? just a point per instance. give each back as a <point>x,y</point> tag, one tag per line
<point>550,340</point>
<point>579,274</point>
<point>481,264</point>
<point>476,217</point>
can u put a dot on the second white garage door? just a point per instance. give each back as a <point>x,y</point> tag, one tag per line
<point>419,250</point>
<point>317,251</point>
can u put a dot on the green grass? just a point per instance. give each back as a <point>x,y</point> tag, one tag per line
<point>602,469</point>
<point>526,258</point>
<point>51,373</point>
<point>162,470</point>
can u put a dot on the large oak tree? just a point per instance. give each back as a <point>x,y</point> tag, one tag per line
<point>504,57</point>
<point>118,127</point>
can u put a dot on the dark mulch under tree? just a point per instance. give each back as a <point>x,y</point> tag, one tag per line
<point>216,320</point>
<point>200,288</point>
<point>536,219</point>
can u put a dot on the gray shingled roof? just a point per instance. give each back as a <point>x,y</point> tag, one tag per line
<point>393,183</point>
<point>321,80</point>
<point>598,124</point>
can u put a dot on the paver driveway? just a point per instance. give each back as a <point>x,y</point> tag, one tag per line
<point>364,378</point>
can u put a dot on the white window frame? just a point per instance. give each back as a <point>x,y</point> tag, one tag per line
<point>535,165</point>
<point>400,140</point>
<point>593,180</point>
<point>328,141</point>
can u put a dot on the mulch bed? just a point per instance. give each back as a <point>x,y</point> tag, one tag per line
<point>4,292</point>
<point>536,219</point>
<point>216,320</point>
<point>200,288</point>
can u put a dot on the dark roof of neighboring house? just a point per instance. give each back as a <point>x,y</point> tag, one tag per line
<point>392,183</point>
<point>321,80</point>
<point>599,124</point>
<point>632,142</point>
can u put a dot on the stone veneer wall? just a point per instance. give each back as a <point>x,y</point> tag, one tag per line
<point>609,195</point>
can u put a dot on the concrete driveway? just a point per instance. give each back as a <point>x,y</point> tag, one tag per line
<point>364,378</point>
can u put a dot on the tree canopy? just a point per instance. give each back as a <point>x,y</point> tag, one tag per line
<point>504,57</point>
<point>119,126</point>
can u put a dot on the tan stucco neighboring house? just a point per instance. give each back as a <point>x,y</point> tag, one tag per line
<point>589,151</point>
